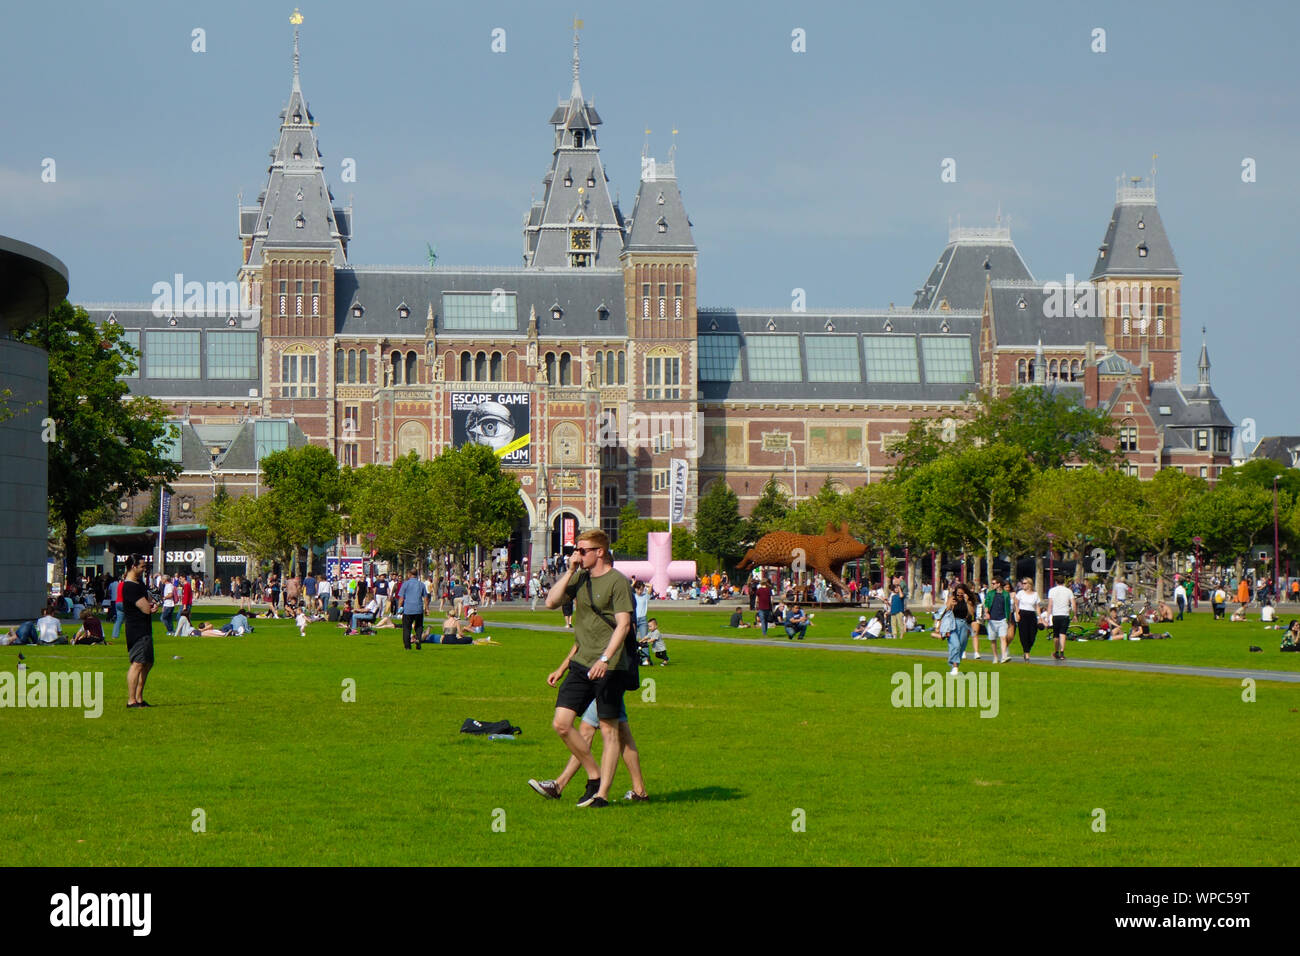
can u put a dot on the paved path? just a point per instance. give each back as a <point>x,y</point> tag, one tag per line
<point>1227,673</point>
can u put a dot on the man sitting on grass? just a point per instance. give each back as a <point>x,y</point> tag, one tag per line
<point>738,617</point>
<point>48,629</point>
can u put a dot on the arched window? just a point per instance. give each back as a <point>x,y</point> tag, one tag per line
<point>1074,370</point>
<point>550,368</point>
<point>338,367</point>
<point>352,365</point>
<point>412,376</point>
<point>1053,370</point>
<point>1031,371</point>
<point>622,368</point>
<point>611,373</point>
<point>397,368</point>
<point>496,367</point>
<point>363,363</point>
<point>480,367</point>
<point>600,368</point>
<point>1022,371</point>
<point>566,369</point>
<point>466,367</point>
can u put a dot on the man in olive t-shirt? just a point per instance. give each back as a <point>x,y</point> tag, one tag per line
<point>596,666</point>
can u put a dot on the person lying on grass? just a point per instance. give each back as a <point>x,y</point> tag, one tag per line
<point>1239,614</point>
<point>1141,631</point>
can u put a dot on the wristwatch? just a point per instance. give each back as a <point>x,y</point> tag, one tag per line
<point>604,659</point>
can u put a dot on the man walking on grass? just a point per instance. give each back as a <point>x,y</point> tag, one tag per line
<point>595,669</point>
<point>1061,605</point>
<point>414,601</point>
<point>139,630</point>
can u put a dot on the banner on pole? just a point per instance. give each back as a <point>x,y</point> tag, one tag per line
<point>677,492</point>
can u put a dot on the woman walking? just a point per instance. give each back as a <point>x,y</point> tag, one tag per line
<point>962,606</point>
<point>1027,615</point>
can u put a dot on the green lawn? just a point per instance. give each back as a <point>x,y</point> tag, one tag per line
<point>1197,640</point>
<point>254,732</point>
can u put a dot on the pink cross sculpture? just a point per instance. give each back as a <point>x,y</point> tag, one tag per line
<point>661,568</point>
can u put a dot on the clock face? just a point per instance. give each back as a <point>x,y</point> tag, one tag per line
<point>580,239</point>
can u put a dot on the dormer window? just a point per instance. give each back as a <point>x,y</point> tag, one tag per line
<point>1021,303</point>
<point>602,312</point>
<point>662,224</point>
<point>660,200</point>
<point>1101,252</point>
<point>1141,224</point>
<point>299,195</point>
<point>591,179</point>
<point>297,151</point>
<point>1142,250</point>
<point>556,311</point>
<point>299,222</point>
<point>578,137</point>
<point>112,319</point>
<point>568,178</point>
<point>403,311</point>
<point>357,311</point>
<point>297,118</point>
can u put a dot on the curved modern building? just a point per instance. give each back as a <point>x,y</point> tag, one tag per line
<point>31,283</point>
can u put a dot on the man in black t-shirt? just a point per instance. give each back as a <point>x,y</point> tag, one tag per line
<point>138,610</point>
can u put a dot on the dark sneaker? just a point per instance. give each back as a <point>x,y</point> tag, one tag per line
<point>633,797</point>
<point>589,793</point>
<point>595,802</point>
<point>546,788</point>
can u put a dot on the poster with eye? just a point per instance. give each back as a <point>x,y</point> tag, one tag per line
<point>499,420</point>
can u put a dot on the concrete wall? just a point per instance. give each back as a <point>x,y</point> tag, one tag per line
<point>24,370</point>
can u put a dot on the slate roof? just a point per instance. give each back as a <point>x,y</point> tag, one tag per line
<point>547,224</point>
<point>958,277</point>
<point>578,292</point>
<point>1135,225</point>
<point>1283,449</point>
<point>659,200</point>
<point>283,220</point>
<point>753,324</point>
<point>237,445</point>
<point>1026,313</point>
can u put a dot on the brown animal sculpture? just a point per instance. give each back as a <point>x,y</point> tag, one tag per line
<point>824,553</point>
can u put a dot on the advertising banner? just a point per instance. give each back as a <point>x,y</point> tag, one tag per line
<point>499,420</point>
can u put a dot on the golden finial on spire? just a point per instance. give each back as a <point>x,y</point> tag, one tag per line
<point>297,17</point>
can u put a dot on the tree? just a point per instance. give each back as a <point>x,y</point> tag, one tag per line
<point>103,443</point>
<point>253,525</point>
<point>1231,518</point>
<point>1170,500</point>
<point>768,512</point>
<point>1051,427</point>
<point>719,529</point>
<point>303,485</point>
<point>1115,511</point>
<point>633,533</point>
<point>477,504</point>
<point>978,493</point>
<point>812,515</point>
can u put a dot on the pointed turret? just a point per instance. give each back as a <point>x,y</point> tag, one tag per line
<point>295,210</point>
<point>575,224</point>
<point>1203,370</point>
<point>295,236</point>
<point>1135,242</point>
<point>659,221</point>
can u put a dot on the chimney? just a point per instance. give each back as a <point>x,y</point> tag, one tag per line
<point>1091,386</point>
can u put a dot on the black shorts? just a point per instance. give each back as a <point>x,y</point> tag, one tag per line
<point>1060,624</point>
<point>139,650</point>
<point>578,691</point>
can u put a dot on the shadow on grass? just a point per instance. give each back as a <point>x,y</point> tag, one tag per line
<point>699,794</point>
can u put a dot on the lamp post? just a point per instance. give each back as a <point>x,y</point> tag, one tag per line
<point>794,468</point>
<point>1051,559</point>
<point>1196,574</point>
<point>1275,537</point>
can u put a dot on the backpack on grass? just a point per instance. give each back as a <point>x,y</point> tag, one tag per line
<point>472,726</point>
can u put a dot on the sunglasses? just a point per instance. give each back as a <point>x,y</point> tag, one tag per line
<point>584,551</point>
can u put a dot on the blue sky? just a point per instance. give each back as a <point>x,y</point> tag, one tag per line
<point>817,170</point>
